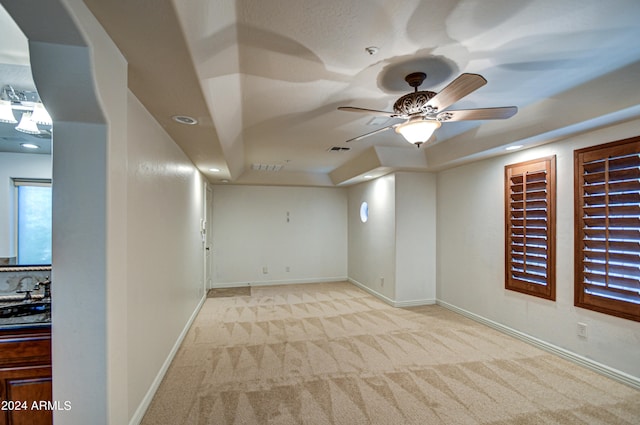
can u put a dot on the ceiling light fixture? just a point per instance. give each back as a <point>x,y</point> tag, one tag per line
<point>6,113</point>
<point>29,146</point>
<point>418,130</point>
<point>27,125</point>
<point>513,148</point>
<point>184,119</point>
<point>33,111</point>
<point>214,170</point>
<point>40,115</point>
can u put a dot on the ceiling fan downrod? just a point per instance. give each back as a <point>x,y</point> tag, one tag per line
<point>415,79</point>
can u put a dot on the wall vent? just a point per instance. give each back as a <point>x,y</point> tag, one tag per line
<point>266,167</point>
<point>338,149</point>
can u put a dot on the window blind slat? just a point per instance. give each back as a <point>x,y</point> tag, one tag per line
<point>623,285</point>
<point>613,211</point>
<point>613,199</point>
<point>621,174</point>
<point>609,245</point>
<point>612,234</point>
<point>615,222</point>
<point>623,270</point>
<point>611,293</point>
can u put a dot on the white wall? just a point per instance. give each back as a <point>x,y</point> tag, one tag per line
<point>415,238</point>
<point>16,165</point>
<point>165,251</point>
<point>393,254</point>
<point>251,231</point>
<point>372,245</point>
<point>470,217</point>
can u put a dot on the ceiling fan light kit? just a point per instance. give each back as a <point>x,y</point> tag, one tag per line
<point>424,111</point>
<point>418,130</point>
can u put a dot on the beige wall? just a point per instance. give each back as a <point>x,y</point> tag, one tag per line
<point>298,233</point>
<point>471,257</point>
<point>165,279</point>
<point>393,254</point>
<point>372,245</point>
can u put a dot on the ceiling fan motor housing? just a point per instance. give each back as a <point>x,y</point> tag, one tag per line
<point>415,103</point>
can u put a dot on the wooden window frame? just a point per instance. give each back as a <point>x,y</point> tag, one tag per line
<point>517,277</point>
<point>598,266</point>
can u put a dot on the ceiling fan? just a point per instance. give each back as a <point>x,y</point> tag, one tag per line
<point>425,111</point>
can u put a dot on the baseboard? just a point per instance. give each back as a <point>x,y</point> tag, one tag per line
<point>394,303</point>
<point>146,400</point>
<point>600,368</point>
<point>279,282</point>
<point>414,303</point>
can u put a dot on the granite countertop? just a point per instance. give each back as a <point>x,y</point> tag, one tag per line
<point>15,309</point>
<point>40,319</point>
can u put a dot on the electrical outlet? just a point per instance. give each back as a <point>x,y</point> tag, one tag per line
<point>381,281</point>
<point>582,330</point>
<point>265,270</point>
<point>287,269</point>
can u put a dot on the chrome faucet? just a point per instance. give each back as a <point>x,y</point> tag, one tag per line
<point>23,290</point>
<point>47,288</point>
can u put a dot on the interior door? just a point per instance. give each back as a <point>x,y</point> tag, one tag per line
<point>208,237</point>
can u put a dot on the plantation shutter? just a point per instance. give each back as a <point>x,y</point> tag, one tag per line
<point>530,224</point>
<point>607,184</point>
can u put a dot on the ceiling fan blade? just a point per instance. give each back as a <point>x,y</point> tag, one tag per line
<point>456,90</point>
<point>380,130</point>
<point>367,111</point>
<point>478,114</point>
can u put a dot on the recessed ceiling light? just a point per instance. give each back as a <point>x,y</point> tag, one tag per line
<point>184,119</point>
<point>513,148</point>
<point>368,176</point>
<point>215,170</point>
<point>29,146</point>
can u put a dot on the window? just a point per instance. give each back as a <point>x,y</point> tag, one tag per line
<point>364,212</point>
<point>33,221</point>
<point>607,228</point>
<point>530,227</point>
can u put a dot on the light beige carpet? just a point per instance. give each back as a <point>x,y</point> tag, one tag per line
<point>332,354</point>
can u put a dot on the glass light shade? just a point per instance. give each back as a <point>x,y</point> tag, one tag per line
<point>6,113</point>
<point>40,115</point>
<point>27,125</point>
<point>418,130</point>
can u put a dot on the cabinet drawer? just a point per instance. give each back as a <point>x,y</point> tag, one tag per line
<point>24,347</point>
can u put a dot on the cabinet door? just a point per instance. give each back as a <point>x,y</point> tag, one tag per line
<point>20,387</point>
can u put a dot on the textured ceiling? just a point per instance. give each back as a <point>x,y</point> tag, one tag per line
<point>265,77</point>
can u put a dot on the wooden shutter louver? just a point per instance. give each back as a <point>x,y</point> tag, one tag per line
<point>607,185</point>
<point>530,227</point>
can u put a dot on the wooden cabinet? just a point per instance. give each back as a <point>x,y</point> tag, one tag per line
<point>25,376</point>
